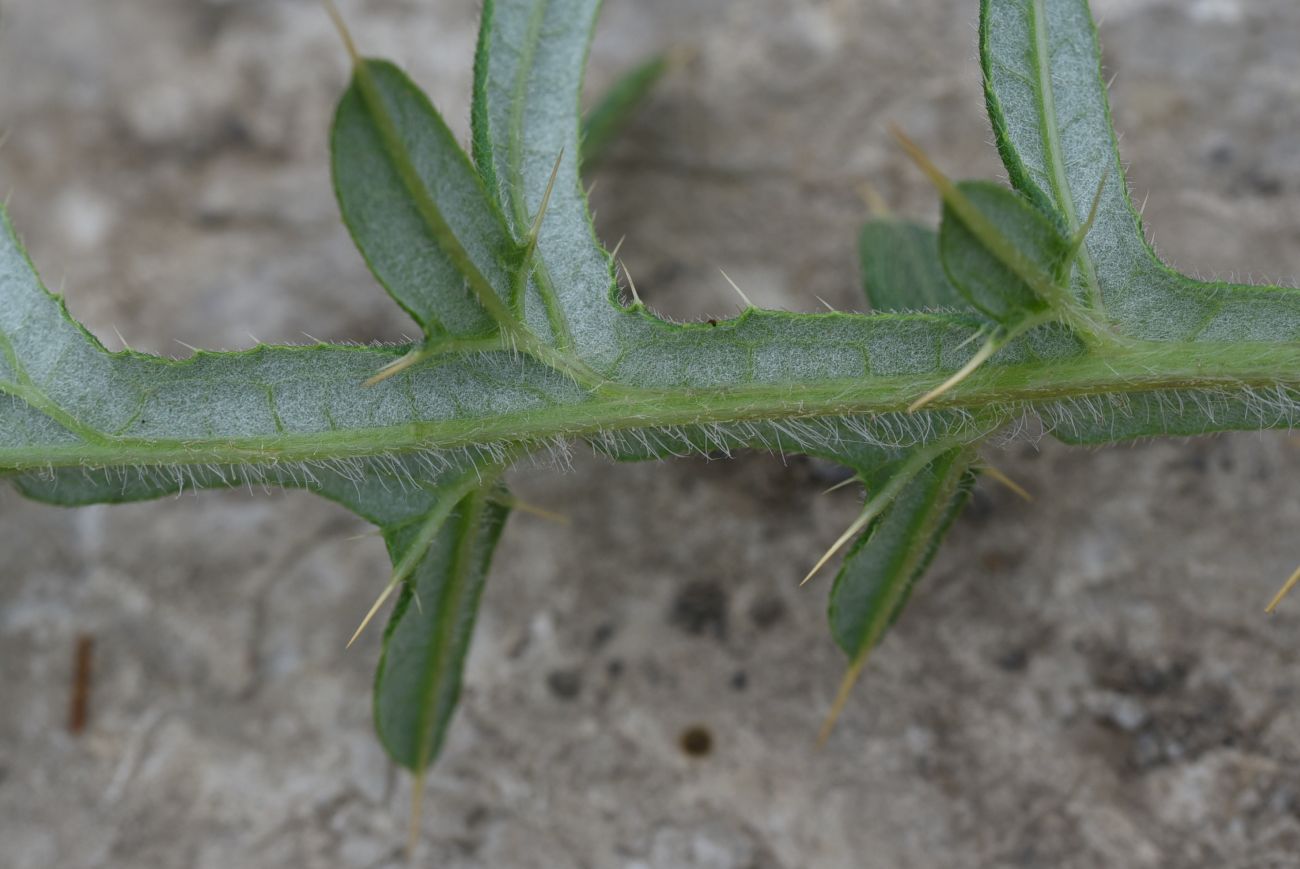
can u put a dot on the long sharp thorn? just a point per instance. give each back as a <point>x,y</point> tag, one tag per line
<point>941,181</point>
<point>411,558</point>
<point>1082,234</point>
<point>981,356</point>
<point>969,338</point>
<point>397,366</point>
<point>997,476</point>
<point>613,254</point>
<point>988,234</point>
<point>125,346</point>
<point>630,285</point>
<point>341,26</point>
<point>840,485</point>
<point>857,525</point>
<point>826,303</point>
<point>546,201</point>
<point>539,512</point>
<point>874,507</point>
<point>395,581</point>
<point>744,298</point>
<point>841,699</point>
<point>417,814</point>
<point>875,203</point>
<point>1286,588</point>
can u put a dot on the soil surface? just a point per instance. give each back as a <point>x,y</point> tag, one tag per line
<point>1084,681</point>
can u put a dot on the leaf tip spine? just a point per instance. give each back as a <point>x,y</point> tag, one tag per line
<point>998,476</point>
<point>744,298</point>
<point>868,513</point>
<point>345,35</point>
<point>877,207</point>
<point>535,230</point>
<point>981,356</point>
<point>397,366</point>
<point>417,814</point>
<point>374,608</point>
<point>1283,592</point>
<point>941,182</point>
<point>841,699</point>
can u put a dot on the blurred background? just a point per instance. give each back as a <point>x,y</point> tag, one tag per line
<point>1085,681</point>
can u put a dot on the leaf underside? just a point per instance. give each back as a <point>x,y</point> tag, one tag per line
<point>418,680</point>
<point>901,270</point>
<point>526,342</point>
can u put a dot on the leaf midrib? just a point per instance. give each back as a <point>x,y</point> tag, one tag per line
<point>518,103</point>
<point>429,211</point>
<point>441,648</point>
<point>515,179</point>
<point>1053,146</point>
<point>23,388</point>
<point>905,564</point>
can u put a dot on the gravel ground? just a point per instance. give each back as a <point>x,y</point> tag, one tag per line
<point>1087,681</point>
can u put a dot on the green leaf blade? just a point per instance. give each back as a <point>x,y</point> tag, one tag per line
<point>417,685</point>
<point>416,208</point>
<point>894,551</point>
<point>532,55</point>
<point>885,562</point>
<point>1052,123</point>
<point>901,269</point>
<point>986,280</point>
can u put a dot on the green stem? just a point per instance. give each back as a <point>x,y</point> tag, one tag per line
<point>1132,369</point>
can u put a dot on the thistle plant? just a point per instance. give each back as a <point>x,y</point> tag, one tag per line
<point>1038,306</point>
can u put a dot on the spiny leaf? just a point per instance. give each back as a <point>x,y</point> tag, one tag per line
<point>980,275</point>
<point>990,226</point>
<point>899,475</point>
<point>78,406</point>
<point>1047,101</point>
<point>525,344</point>
<point>891,555</point>
<point>417,209</point>
<point>527,84</point>
<point>1051,118</point>
<point>419,677</point>
<point>895,549</point>
<point>418,536</point>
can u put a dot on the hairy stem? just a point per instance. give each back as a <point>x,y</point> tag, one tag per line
<point>1141,367</point>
